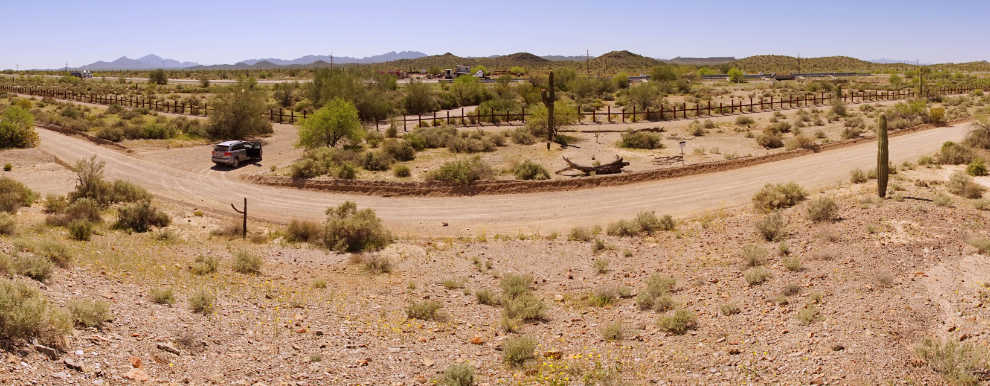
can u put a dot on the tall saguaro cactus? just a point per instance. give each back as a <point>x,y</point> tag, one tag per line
<point>548,99</point>
<point>882,156</point>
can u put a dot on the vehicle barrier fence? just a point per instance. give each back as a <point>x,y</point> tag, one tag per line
<point>480,118</point>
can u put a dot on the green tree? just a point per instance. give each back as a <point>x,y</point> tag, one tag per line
<point>621,80</point>
<point>736,75</point>
<point>285,92</point>
<point>204,81</point>
<point>483,69</point>
<point>563,115</point>
<point>895,80</point>
<point>373,94</point>
<point>238,111</point>
<point>336,120</point>
<point>663,74</point>
<point>158,76</point>
<point>420,98</point>
<point>17,129</point>
<point>468,90</point>
<point>517,71</point>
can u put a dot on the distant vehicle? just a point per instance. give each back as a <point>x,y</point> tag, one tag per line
<point>233,153</point>
<point>457,71</point>
<point>81,74</point>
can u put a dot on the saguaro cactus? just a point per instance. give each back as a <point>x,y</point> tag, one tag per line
<point>548,99</point>
<point>883,167</point>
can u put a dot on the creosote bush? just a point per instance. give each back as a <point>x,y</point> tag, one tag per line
<point>462,171</point>
<point>33,266</point>
<point>89,313</point>
<point>613,331</point>
<point>25,313</point>
<point>14,195</point>
<point>303,231</point>
<point>351,230</point>
<point>823,209</point>
<point>963,185</point>
<point>580,234</point>
<point>8,224</point>
<point>247,263</point>
<point>756,275</point>
<point>730,308</point>
<point>857,176</point>
<point>56,252</point>
<point>754,255</point>
<point>529,170</point>
<point>771,226</point>
<point>641,140</point>
<point>778,196</point>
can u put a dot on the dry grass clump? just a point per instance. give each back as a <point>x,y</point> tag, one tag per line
<point>320,283</point>
<point>425,310</point>
<point>613,331</point>
<point>517,351</point>
<point>963,185</point>
<point>462,171</point>
<point>162,296</point>
<point>754,255</point>
<point>601,265</point>
<point>202,302</point>
<point>351,230</point>
<point>247,263</point>
<point>857,176</point>
<point>657,295</point>
<point>602,296</point>
<point>645,222</point>
<point>779,196</point>
<point>792,264</point>
<point>809,314</point>
<point>375,264</point>
<point>730,308</point>
<point>520,305</point>
<point>755,276</point>
<point>486,297</point>
<point>641,140</point>
<point>823,209</point>
<point>771,226</point>
<point>458,374</point>
<point>25,313</point>
<point>960,363</point>
<point>679,323</point>
<point>90,313</point>
<point>204,265</point>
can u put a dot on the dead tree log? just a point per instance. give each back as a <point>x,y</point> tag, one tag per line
<point>609,168</point>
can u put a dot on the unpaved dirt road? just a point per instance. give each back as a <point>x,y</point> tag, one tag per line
<point>216,189</point>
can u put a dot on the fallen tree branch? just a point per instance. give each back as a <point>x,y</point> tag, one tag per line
<point>609,168</point>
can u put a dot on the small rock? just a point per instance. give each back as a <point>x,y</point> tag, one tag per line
<point>216,378</point>
<point>720,340</point>
<point>61,375</point>
<point>72,365</point>
<point>47,351</point>
<point>838,347</point>
<point>135,362</point>
<point>98,382</point>
<point>554,354</point>
<point>951,329</point>
<point>445,224</point>
<point>817,381</point>
<point>107,295</point>
<point>137,375</point>
<point>80,353</point>
<point>169,348</point>
<point>301,330</point>
<point>318,333</point>
<point>733,351</point>
<point>558,298</point>
<point>477,340</point>
<point>428,362</point>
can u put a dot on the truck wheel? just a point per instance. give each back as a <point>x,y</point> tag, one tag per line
<point>236,162</point>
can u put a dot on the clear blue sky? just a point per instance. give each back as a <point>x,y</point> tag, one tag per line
<point>46,34</point>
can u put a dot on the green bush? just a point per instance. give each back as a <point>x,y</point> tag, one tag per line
<point>238,112</point>
<point>55,252</point>
<point>979,137</point>
<point>55,203</point>
<point>80,230</point>
<point>14,195</point>
<point>204,265</point>
<point>247,263</point>
<point>162,296</point>
<point>140,217</point>
<point>8,224</point>
<point>523,136</point>
<point>401,171</point>
<point>458,374</point>
<point>679,323</point>
<point>89,313</point>
<point>486,297</point>
<point>580,234</point>
<point>770,141</point>
<point>462,172</point>
<point>33,266</point>
<point>954,154</point>
<point>399,150</point>
<point>778,196</point>
<point>649,223</point>
<point>857,176</point>
<point>529,170</point>
<point>754,255</point>
<point>514,285</point>
<point>613,331</point>
<point>83,209</point>
<point>961,184</point>
<point>303,231</point>
<point>17,129</point>
<point>641,140</point>
<point>376,161</point>
<point>823,209</point>
<point>350,230</point>
<point>517,351</point>
<point>977,168</point>
<point>25,314</point>
<point>426,310</point>
<point>202,302</point>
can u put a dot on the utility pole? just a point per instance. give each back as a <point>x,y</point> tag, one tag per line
<point>331,61</point>
<point>587,61</point>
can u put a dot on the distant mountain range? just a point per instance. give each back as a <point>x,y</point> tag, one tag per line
<point>147,62</point>
<point>151,62</point>
<point>310,59</point>
<point>893,61</point>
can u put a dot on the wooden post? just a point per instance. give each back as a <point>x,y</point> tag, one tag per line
<point>244,212</point>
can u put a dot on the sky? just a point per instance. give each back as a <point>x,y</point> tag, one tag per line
<point>47,34</point>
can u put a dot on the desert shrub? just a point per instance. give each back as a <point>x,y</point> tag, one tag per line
<point>55,203</point>
<point>600,265</point>
<point>247,263</point>
<point>431,137</point>
<point>954,154</point>
<point>523,136</point>
<point>959,363</point>
<point>238,109</point>
<point>202,302</point>
<point>770,141</point>
<point>979,137</point>
<point>754,255</point>
<point>942,199</point>
<point>83,209</point>
<point>649,223</point>
<point>162,296</point>
<point>14,195</point>
<point>963,185</point>
<point>852,132</point>
<point>517,351</point>
<point>462,172</point>
<point>458,374</point>
<point>140,217</point>
<point>475,142</point>
<point>25,313</point>
<point>33,266</point>
<point>351,230</point>
<point>323,161</point>
<point>822,209</point>
<point>425,310</point>
<point>8,224</point>
<point>799,142</point>
<point>521,308</point>
<point>756,275</point>
<point>91,185</point>
<point>641,140</point>
<point>399,150</point>
<point>613,331</point>
<point>55,252</point>
<point>977,168</point>
<point>730,308</point>
<point>401,171</point>
<point>743,120</point>
<point>89,313</point>
<point>925,160</point>
<point>376,161</point>
<point>486,297</point>
<point>529,170</point>
<point>580,234</point>
<point>204,265</point>
<point>602,296</point>
<point>514,285</point>
<point>377,264</point>
<point>17,128</point>
<point>679,323</point>
<point>374,138</point>
<point>303,231</point>
<point>857,176</point>
<point>778,196</point>
<point>792,264</point>
<point>809,314</point>
<point>623,228</point>
<point>80,230</point>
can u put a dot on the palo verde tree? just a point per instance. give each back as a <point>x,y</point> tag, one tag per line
<point>336,120</point>
<point>736,75</point>
<point>237,111</point>
<point>158,76</point>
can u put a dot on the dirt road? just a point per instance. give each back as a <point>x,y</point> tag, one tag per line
<point>544,212</point>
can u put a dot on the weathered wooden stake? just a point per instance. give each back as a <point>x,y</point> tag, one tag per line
<point>244,212</point>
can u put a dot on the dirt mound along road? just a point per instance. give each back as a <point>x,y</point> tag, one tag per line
<point>531,212</point>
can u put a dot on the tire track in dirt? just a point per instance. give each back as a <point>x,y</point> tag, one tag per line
<point>530,212</point>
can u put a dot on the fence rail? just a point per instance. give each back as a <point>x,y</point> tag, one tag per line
<point>480,118</point>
